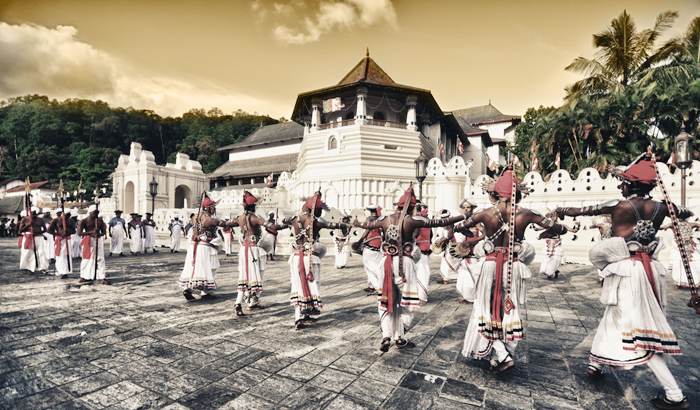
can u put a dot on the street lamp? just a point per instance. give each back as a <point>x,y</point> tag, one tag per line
<point>420,173</point>
<point>153,188</point>
<point>684,158</point>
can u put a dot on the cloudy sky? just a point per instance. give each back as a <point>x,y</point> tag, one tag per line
<point>173,55</point>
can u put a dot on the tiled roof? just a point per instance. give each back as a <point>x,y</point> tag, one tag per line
<point>367,71</point>
<point>32,186</point>
<point>289,132</point>
<point>257,167</point>
<point>483,114</point>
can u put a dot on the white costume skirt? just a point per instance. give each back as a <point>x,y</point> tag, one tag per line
<point>26,256</point>
<point>551,258</point>
<point>136,242</point>
<point>87,264</point>
<point>49,252</point>
<point>199,269</point>
<point>449,266</point>
<point>409,287</point>
<point>175,240</point>
<point>423,276</point>
<point>249,270</point>
<point>305,293</point>
<point>75,246</point>
<point>678,272</point>
<point>467,274</point>
<point>342,253</point>
<point>64,263</point>
<point>634,325</point>
<point>149,239</point>
<point>118,235</point>
<point>485,325</point>
<point>372,261</point>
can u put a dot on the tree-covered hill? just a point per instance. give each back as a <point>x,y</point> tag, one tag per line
<point>73,139</point>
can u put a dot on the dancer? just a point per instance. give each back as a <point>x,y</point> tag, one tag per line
<point>470,264</point>
<point>305,261</point>
<point>148,226</point>
<point>369,247</point>
<point>202,258</point>
<point>75,239</point>
<point>495,326</point>
<point>444,238</point>
<point>48,237</point>
<point>398,285</point>
<point>251,255</point>
<point>272,220</point>
<point>634,329</point>
<point>175,229</point>
<point>93,232</point>
<point>117,231</point>
<point>423,242</point>
<point>62,232</point>
<point>554,251</point>
<point>135,235</point>
<point>342,251</point>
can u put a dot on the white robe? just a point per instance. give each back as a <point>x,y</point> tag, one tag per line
<point>118,235</point>
<point>64,261</point>
<point>175,236</point>
<point>87,265</point>
<point>299,298</point>
<point>136,241</point>
<point>26,258</point>
<point>199,273</point>
<point>49,252</point>
<point>482,330</point>
<point>423,275</point>
<point>372,260</point>
<point>149,238</point>
<point>467,275</point>
<point>449,265</point>
<point>250,271</point>
<point>228,242</point>
<point>551,258</point>
<point>634,325</point>
<point>75,246</point>
<point>342,251</point>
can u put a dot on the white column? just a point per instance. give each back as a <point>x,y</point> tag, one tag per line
<point>361,110</point>
<point>315,114</point>
<point>411,102</point>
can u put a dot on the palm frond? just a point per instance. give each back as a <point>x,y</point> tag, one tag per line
<point>585,66</point>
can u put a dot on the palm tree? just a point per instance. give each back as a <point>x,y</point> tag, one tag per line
<point>681,56</point>
<point>623,55</point>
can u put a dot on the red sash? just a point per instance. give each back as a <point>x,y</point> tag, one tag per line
<point>388,284</point>
<point>499,256</point>
<point>374,238</point>
<point>645,258</point>
<point>87,248</point>
<point>57,245</point>
<point>28,240</point>
<point>304,277</point>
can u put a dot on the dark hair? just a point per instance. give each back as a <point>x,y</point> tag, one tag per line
<point>638,188</point>
<point>249,208</point>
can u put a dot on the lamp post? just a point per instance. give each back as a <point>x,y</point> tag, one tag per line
<point>420,173</point>
<point>153,189</point>
<point>684,158</point>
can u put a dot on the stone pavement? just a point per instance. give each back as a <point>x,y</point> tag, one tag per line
<point>138,344</point>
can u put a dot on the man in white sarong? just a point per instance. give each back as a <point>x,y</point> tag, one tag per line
<point>495,325</point>
<point>470,265</point>
<point>305,260</point>
<point>202,258</point>
<point>226,233</point>
<point>444,238</point>
<point>251,255</point>
<point>553,252</point>
<point>342,250</point>
<point>398,286</point>
<point>93,232</point>
<point>74,238</point>
<point>369,247</point>
<point>48,237</point>
<point>692,248</point>
<point>61,230</point>
<point>118,232</point>
<point>176,230</point>
<point>634,329</point>
<point>135,234</point>
<point>424,240</point>
<point>31,230</point>
<point>149,234</point>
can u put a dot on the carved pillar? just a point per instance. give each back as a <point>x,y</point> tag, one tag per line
<point>411,102</point>
<point>361,110</point>
<point>315,114</point>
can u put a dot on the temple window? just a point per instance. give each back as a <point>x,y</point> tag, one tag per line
<point>332,143</point>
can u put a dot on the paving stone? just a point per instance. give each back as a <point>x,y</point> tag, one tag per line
<point>309,397</point>
<point>462,392</point>
<point>422,382</point>
<point>90,384</point>
<point>246,378</point>
<point>333,380</point>
<point>249,402</point>
<point>112,394</point>
<point>342,402</point>
<point>368,390</point>
<point>211,396</point>
<point>405,399</point>
<point>301,371</point>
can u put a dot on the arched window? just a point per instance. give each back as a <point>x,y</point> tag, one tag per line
<point>332,143</point>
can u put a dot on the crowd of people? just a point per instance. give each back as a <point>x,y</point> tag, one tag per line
<point>483,250</point>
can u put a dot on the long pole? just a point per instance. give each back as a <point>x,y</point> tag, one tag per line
<point>683,177</point>
<point>97,239</point>
<point>153,204</point>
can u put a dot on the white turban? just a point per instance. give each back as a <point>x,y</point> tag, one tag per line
<point>92,208</point>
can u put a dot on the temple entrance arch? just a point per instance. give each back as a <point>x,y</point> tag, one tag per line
<point>183,197</point>
<point>129,199</point>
